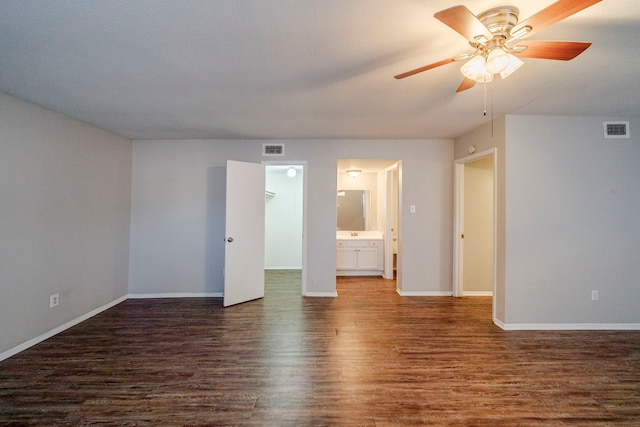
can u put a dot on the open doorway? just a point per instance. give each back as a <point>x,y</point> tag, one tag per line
<point>285,223</point>
<point>475,225</point>
<point>392,220</point>
<point>367,228</point>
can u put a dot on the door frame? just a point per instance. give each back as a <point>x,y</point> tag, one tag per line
<point>458,220</point>
<point>391,190</point>
<point>302,163</point>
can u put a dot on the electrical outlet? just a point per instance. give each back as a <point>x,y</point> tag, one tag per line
<point>594,296</point>
<point>54,300</point>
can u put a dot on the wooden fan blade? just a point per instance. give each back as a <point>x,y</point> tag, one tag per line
<point>460,19</point>
<point>552,49</point>
<point>466,84</point>
<point>552,14</point>
<point>425,68</point>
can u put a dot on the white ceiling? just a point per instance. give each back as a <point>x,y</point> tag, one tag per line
<point>289,69</point>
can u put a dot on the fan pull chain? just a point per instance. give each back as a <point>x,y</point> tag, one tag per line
<point>491,94</point>
<point>485,99</point>
<point>484,113</point>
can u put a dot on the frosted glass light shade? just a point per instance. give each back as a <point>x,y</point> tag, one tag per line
<point>497,61</point>
<point>512,66</point>
<point>475,69</point>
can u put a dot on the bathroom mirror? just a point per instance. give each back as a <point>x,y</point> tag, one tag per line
<point>353,207</point>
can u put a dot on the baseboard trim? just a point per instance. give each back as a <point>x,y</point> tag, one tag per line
<point>178,295</point>
<point>424,293</point>
<point>321,294</point>
<point>55,331</point>
<point>352,273</point>
<point>568,326</point>
<point>477,294</point>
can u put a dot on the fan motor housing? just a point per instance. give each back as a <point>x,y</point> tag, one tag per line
<point>500,20</point>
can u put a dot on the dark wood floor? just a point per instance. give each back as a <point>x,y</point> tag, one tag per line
<point>366,358</point>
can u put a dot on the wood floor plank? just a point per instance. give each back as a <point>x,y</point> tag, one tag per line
<point>367,358</point>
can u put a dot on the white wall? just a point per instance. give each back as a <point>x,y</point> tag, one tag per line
<point>174,245</point>
<point>64,219</point>
<point>283,224</point>
<point>573,210</point>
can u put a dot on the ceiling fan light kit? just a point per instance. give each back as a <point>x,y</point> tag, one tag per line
<point>476,70</point>
<point>482,70</point>
<point>497,37</point>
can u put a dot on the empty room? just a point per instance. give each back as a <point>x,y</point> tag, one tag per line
<point>304,213</point>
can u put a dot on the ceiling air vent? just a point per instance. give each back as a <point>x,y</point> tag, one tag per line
<point>273,149</point>
<point>616,130</point>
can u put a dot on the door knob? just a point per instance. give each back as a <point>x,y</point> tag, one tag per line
<point>230,239</point>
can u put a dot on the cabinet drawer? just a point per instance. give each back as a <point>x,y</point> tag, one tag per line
<point>357,243</point>
<point>352,243</point>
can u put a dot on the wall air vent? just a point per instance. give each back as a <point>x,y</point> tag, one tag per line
<point>273,149</point>
<point>616,130</point>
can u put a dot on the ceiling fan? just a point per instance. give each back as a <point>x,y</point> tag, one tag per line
<point>497,37</point>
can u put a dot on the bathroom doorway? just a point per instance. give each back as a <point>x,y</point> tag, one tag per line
<point>368,221</point>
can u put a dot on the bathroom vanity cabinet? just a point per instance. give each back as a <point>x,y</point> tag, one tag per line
<point>359,257</point>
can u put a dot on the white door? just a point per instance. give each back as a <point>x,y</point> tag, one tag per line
<point>244,235</point>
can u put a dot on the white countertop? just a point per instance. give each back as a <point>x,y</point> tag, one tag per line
<point>362,235</point>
